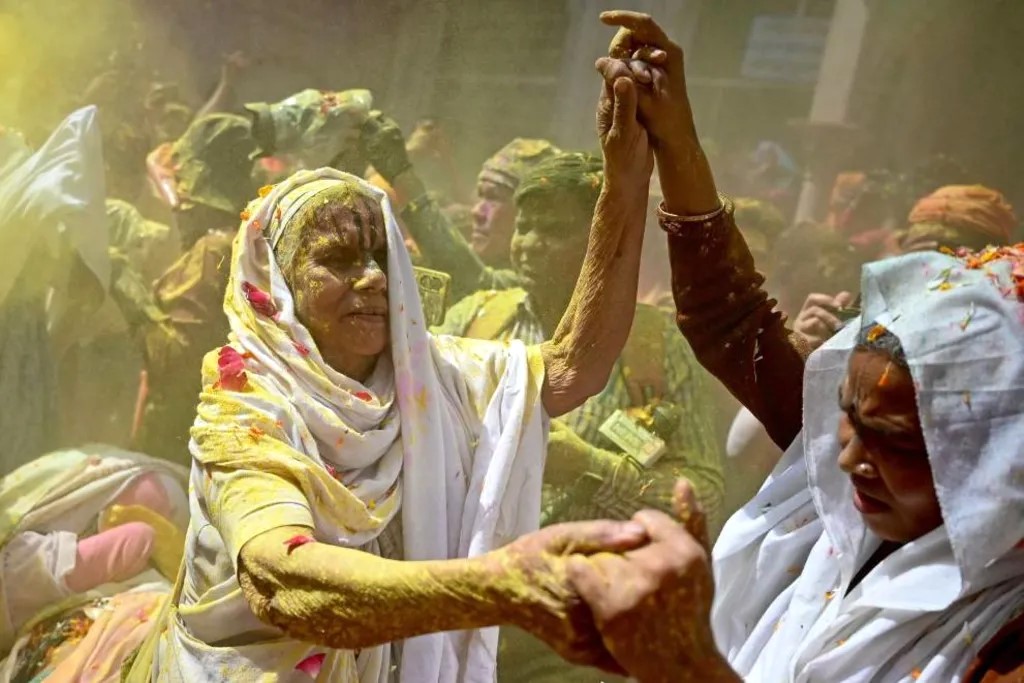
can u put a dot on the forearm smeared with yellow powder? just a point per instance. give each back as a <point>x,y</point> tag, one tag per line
<point>579,357</point>
<point>349,599</point>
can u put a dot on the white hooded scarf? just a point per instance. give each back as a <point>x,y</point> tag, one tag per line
<point>784,610</point>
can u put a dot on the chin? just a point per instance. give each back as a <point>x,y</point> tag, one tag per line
<point>889,530</point>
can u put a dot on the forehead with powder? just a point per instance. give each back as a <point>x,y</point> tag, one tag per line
<point>323,218</point>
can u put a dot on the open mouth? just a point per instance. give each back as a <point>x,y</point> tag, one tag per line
<point>867,504</point>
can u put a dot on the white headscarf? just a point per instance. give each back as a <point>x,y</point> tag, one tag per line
<point>360,453</point>
<point>54,194</point>
<point>784,563</point>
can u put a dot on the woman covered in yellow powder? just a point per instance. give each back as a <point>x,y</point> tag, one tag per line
<point>359,486</point>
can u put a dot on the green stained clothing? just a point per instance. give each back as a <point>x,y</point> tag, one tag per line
<point>212,162</point>
<point>190,295</point>
<point>621,486</point>
<point>444,248</point>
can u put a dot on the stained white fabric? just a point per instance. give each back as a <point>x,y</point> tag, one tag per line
<point>46,505</point>
<point>55,196</point>
<point>784,563</point>
<point>447,433</point>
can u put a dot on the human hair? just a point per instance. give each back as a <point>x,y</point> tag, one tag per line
<point>321,209</point>
<point>576,175</point>
<point>876,338</point>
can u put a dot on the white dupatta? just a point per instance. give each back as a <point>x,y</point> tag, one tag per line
<point>449,433</point>
<point>784,563</point>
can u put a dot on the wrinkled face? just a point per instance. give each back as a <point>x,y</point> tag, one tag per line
<point>883,449</point>
<point>549,243</point>
<point>339,281</point>
<point>494,217</point>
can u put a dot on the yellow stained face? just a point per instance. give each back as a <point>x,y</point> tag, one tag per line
<point>339,280</point>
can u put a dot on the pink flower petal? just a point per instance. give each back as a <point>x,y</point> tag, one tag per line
<point>363,396</point>
<point>311,665</point>
<point>259,300</point>
<point>231,368</point>
<point>295,541</point>
<point>301,348</point>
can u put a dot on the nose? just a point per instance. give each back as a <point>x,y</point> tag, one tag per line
<point>854,459</point>
<point>373,280</point>
<point>480,213</point>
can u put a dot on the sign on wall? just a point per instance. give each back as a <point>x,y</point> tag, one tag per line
<point>785,48</point>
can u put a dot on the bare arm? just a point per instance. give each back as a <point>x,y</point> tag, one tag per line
<point>722,308</point>
<point>335,596</point>
<point>579,357</point>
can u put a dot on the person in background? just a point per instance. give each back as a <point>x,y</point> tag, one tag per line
<point>440,242</point>
<point>951,218</point>
<point>494,212</point>
<point>905,522</point>
<point>432,152</point>
<point>555,203</point>
<point>89,547</point>
<point>958,216</point>
<point>54,271</point>
<point>312,129</point>
<point>207,173</point>
<point>772,176</point>
<point>104,355</point>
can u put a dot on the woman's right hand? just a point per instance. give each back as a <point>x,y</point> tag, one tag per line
<point>532,576</point>
<point>628,156</point>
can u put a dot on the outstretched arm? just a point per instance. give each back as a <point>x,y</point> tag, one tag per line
<point>335,596</point>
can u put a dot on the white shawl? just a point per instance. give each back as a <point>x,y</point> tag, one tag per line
<point>449,432</point>
<point>784,563</point>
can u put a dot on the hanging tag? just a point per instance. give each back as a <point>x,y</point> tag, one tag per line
<point>636,441</point>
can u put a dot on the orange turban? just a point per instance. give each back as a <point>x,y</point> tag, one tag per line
<point>967,207</point>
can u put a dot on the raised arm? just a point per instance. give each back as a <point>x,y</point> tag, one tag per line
<point>579,357</point>
<point>723,311</point>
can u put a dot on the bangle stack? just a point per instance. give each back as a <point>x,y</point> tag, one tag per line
<point>674,224</point>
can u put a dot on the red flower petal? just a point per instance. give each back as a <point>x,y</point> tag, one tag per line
<point>231,368</point>
<point>301,348</point>
<point>311,665</point>
<point>331,470</point>
<point>363,396</point>
<point>259,300</point>
<point>295,541</point>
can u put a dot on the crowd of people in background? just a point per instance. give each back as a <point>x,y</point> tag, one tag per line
<point>283,400</point>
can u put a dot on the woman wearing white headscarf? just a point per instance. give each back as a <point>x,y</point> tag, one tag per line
<point>344,459</point>
<point>885,546</point>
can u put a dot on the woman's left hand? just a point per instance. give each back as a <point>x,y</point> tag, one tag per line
<point>628,156</point>
<point>652,605</point>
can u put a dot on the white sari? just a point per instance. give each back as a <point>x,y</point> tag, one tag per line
<point>784,564</point>
<point>446,438</point>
